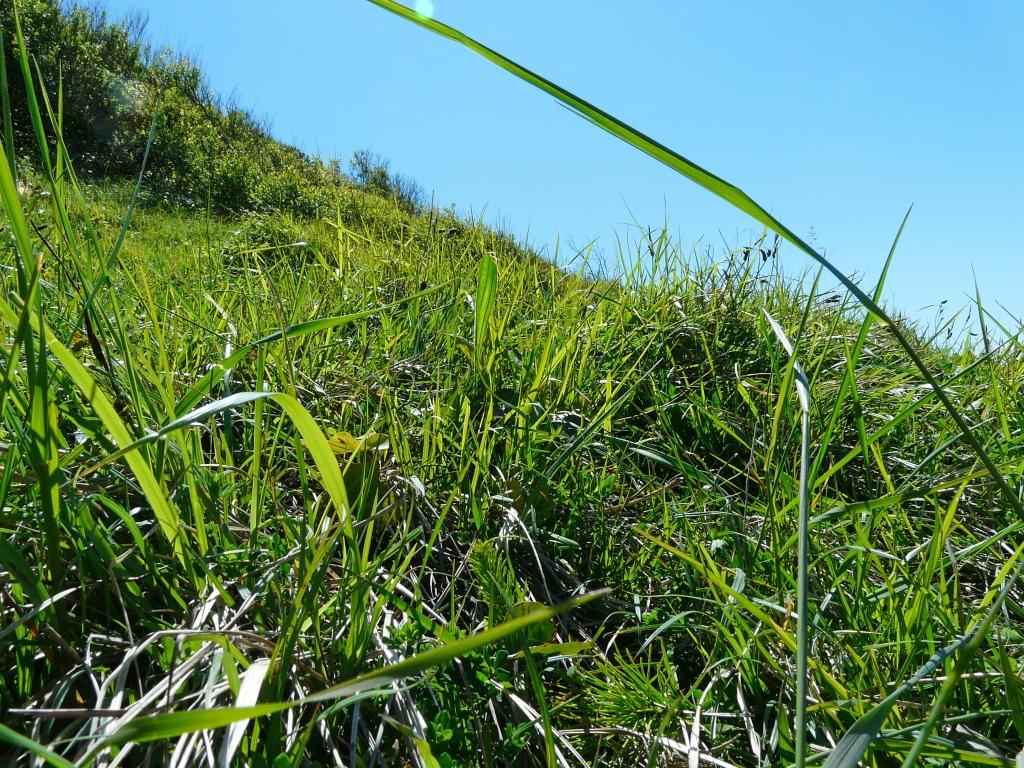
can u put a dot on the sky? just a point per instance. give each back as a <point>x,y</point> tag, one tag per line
<point>835,117</point>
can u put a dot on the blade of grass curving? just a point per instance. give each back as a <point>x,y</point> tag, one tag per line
<point>167,515</point>
<point>849,383</point>
<point>803,388</point>
<point>166,726</point>
<point>743,202</point>
<point>851,748</point>
<point>5,107</point>
<point>722,189</point>
<point>320,449</point>
<point>194,417</point>
<point>16,739</point>
<point>205,385</point>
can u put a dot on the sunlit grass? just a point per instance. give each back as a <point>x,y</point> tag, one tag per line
<point>291,492</point>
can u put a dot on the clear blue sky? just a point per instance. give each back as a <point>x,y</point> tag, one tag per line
<point>836,117</point>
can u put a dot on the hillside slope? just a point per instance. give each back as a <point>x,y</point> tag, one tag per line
<point>251,457</point>
<point>125,101</point>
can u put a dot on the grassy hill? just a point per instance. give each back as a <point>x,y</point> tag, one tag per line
<point>291,486</point>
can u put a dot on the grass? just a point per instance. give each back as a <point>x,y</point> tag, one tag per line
<point>282,491</point>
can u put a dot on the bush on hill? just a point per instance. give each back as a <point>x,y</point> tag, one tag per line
<point>204,151</point>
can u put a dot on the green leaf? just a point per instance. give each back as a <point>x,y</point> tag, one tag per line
<point>167,515</point>
<point>486,292</point>
<point>203,387</point>
<point>24,742</point>
<point>851,748</point>
<point>195,417</point>
<point>855,742</point>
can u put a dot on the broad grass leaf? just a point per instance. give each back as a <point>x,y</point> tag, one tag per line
<point>486,293</point>
<point>173,724</point>
<point>855,742</point>
<point>536,634</point>
<point>249,692</point>
<point>167,515</point>
<point>16,739</point>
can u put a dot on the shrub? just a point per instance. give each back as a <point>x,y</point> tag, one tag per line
<point>373,173</point>
<point>203,152</point>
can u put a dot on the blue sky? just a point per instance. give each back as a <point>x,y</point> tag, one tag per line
<point>835,117</point>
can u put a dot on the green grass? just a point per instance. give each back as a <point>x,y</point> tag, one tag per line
<point>279,491</point>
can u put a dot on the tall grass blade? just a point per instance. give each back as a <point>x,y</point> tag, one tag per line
<point>16,739</point>
<point>803,388</point>
<point>5,108</point>
<point>851,748</point>
<point>743,202</point>
<point>722,189</point>
<point>30,95</point>
<point>16,217</point>
<point>486,293</point>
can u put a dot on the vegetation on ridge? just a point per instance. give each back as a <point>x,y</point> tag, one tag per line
<point>248,459</point>
<point>204,151</point>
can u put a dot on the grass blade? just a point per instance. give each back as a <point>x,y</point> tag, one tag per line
<point>24,742</point>
<point>721,188</point>
<point>174,724</point>
<point>851,748</point>
<point>486,291</point>
<point>803,388</point>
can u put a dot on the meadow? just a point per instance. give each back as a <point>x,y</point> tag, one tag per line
<point>360,482</point>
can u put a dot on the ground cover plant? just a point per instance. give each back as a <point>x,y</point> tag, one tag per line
<point>291,489</point>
